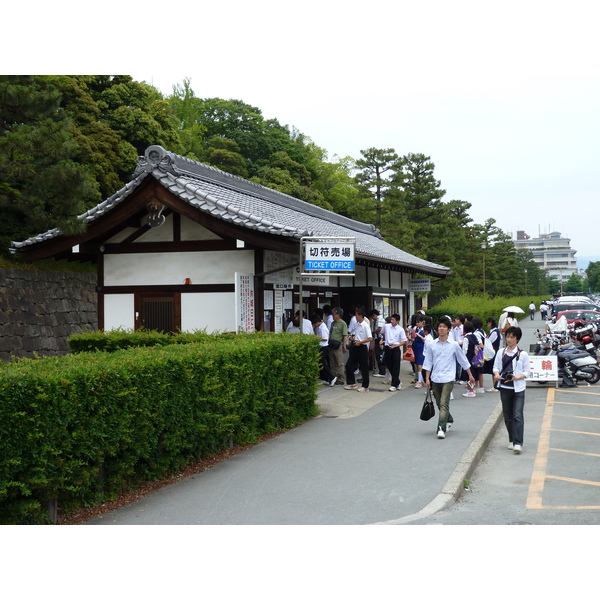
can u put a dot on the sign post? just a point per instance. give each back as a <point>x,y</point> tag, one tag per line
<point>325,256</point>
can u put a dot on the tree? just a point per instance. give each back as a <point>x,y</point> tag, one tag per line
<point>593,276</point>
<point>225,155</point>
<point>372,181</point>
<point>574,284</point>
<point>42,185</point>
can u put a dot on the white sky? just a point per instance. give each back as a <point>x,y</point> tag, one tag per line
<point>503,97</point>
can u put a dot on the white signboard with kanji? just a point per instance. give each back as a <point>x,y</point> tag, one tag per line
<point>244,302</point>
<point>334,256</point>
<point>543,368</point>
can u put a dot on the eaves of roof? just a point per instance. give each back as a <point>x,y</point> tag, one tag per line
<point>247,204</point>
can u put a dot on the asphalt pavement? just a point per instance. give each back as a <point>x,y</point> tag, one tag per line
<point>367,459</point>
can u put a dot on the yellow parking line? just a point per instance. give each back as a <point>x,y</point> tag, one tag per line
<point>571,480</point>
<point>578,404</point>
<point>536,485</point>
<point>572,431</point>
<point>575,452</point>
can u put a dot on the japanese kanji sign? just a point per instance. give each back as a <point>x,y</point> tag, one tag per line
<point>329,255</point>
<point>543,368</point>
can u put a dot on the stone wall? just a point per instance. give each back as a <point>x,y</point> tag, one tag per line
<point>39,310</point>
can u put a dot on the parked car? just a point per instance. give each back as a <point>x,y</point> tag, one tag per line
<point>562,306</point>
<point>584,316</point>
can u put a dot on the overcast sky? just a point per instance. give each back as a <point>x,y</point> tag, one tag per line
<point>503,97</point>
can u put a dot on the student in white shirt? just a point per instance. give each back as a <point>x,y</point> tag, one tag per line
<point>359,352</point>
<point>394,341</point>
<point>321,331</point>
<point>511,367</point>
<point>440,369</point>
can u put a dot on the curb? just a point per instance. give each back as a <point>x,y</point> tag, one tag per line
<point>454,486</point>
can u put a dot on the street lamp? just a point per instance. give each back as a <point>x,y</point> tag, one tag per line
<point>483,248</point>
<point>526,282</point>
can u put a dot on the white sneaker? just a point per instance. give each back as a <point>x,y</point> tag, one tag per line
<point>480,390</point>
<point>491,390</point>
<point>350,386</point>
<point>332,382</point>
<point>362,389</point>
<point>451,395</point>
<point>392,389</point>
<point>517,449</point>
<point>440,434</point>
<point>469,394</point>
<point>378,375</point>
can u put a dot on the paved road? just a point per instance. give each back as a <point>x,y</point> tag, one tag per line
<point>368,459</point>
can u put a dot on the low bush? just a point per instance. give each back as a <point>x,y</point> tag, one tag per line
<point>120,339</point>
<point>480,305</point>
<point>82,428</point>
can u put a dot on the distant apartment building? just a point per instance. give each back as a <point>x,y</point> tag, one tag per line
<point>551,252</point>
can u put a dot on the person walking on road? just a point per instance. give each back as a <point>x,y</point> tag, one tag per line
<point>322,333</point>
<point>359,353</point>
<point>439,365</point>
<point>532,310</point>
<point>338,334</point>
<point>511,367</point>
<point>395,339</point>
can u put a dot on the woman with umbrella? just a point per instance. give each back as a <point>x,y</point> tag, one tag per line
<point>507,319</point>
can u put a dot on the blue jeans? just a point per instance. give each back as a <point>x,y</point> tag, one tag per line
<point>441,393</point>
<point>512,407</point>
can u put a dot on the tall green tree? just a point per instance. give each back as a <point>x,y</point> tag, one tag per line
<point>593,276</point>
<point>41,185</point>
<point>377,174</point>
<point>225,154</point>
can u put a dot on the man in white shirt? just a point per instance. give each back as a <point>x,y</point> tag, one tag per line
<point>511,368</point>
<point>395,339</point>
<point>322,333</point>
<point>440,370</point>
<point>359,352</point>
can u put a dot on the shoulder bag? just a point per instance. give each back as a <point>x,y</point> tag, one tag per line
<point>428,408</point>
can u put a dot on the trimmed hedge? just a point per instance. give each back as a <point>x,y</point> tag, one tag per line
<point>481,305</point>
<point>80,429</point>
<point>120,339</point>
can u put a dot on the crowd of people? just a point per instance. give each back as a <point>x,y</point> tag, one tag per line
<point>457,351</point>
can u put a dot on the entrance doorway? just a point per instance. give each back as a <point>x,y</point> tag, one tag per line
<point>158,311</point>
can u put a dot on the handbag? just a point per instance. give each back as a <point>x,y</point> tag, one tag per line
<point>477,360</point>
<point>428,408</point>
<point>409,355</point>
<point>488,350</point>
<point>334,344</point>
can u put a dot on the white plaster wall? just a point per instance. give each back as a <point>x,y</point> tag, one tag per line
<point>119,311</point>
<point>215,312</point>
<point>396,280</point>
<point>172,268</point>
<point>191,231</point>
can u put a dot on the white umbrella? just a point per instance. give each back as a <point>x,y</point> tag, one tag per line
<point>513,309</point>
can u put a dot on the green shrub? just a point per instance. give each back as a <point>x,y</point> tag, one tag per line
<point>84,427</point>
<point>480,305</point>
<point>119,339</point>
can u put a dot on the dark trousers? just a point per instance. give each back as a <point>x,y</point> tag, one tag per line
<point>512,407</point>
<point>392,361</point>
<point>325,374</point>
<point>358,359</point>
<point>379,358</point>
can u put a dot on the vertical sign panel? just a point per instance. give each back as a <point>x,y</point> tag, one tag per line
<point>244,302</point>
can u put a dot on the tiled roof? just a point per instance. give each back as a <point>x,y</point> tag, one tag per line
<point>246,204</point>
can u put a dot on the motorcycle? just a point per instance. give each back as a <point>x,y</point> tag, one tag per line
<point>586,336</point>
<point>575,364</point>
